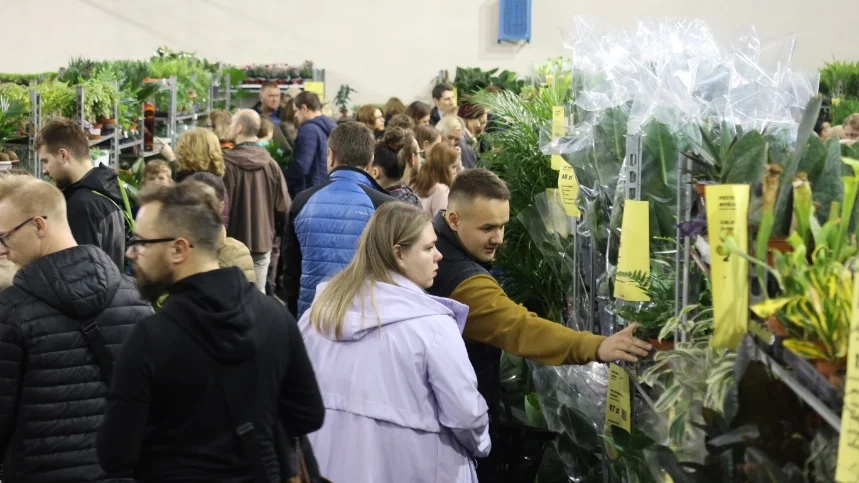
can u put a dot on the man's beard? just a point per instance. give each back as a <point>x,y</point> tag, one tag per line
<point>150,289</point>
<point>61,182</point>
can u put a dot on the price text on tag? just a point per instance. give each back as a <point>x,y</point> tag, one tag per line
<point>617,399</point>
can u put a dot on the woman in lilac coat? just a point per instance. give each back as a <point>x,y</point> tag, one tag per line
<point>399,391</point>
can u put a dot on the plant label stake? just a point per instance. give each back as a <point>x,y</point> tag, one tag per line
<point>617,405</point>
<point>847,469</point>
<point>727,221</point>
<point>634,256</point>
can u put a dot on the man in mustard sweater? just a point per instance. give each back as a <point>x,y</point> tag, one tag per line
<point>469,233</point>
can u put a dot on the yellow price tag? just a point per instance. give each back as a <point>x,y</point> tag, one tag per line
<point>617,399</point>
<point>557,162</point>
<point>315,87</point>
<point>634,255</point>
<point>568,187</point>
<point>728,216</point>
<point>550,80</point>
<point>847,469</point>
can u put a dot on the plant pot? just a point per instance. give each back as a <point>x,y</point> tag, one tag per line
<point>98,125</point>
<point>777,245</point>
<point>664,346</point>
<point>828,370</point>
<point>776,327</point>
<point>299,81</point>
<point>107,122</point>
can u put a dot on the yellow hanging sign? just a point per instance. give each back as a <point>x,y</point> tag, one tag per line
<point>728,217</point>
<point>847,469</point>
<point>634,254</point>
<point>568,187</point>
<point>558,162</point>
<point>617,399</point>
<point>550,80</point>
<point>315,87</point>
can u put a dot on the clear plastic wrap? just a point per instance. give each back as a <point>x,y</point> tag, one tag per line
<point>674,72</point>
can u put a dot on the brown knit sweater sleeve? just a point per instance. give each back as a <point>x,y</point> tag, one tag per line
<point>496,320</point>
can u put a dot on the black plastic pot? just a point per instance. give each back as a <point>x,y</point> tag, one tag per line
<point>807,374</point>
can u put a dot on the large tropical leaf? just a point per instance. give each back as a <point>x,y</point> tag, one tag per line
<point>804,132</point>
<point>746,159</point>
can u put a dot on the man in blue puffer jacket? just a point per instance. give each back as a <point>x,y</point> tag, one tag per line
<point>326,221</point>
<point>308,168</point>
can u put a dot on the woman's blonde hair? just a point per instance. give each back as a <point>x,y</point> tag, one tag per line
<point>394,224</point>
<point>220,121</point>
<point>199,150</point>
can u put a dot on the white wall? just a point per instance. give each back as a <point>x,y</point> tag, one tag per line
<point>379,47</point>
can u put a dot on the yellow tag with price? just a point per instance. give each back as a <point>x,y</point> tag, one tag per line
<point>634,253</point>
<point>568,187</point>
<point>847,469</point>
<point>617,403</point>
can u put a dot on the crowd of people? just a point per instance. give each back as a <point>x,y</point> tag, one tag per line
<point>246,322</point>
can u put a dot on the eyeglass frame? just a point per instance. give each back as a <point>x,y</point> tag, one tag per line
<point>137,241</point>
<point>11,232</point>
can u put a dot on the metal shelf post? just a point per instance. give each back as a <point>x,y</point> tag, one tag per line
<point>36,126</point>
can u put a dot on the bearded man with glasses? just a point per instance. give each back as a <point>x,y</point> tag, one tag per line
<point>61,323</point>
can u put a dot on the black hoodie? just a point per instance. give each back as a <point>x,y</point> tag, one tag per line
<point>95,213</point>
<point>167,418</point>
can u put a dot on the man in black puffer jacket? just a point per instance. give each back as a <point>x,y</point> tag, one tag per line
<point>52,390</point>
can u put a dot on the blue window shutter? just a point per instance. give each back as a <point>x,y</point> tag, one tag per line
<point>514,21</point>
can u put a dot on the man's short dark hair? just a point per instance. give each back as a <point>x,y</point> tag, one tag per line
<point>440,89</point>
<point>309,99</point>
<point>188,210</point>
<point>477,183</point>
<point>353,144</point>
<point>64,134</point>
<point>212,180</point>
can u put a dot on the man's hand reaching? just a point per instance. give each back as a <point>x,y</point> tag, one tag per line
<point>623,346</point>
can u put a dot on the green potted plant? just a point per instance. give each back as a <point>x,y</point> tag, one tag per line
<point>307,70</point>
<point>341,100</point>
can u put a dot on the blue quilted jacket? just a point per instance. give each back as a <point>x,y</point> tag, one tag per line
<point>322,232</point>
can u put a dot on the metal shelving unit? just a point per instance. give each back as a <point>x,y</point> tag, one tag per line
<point>36,126</point>
<point>116,142</point>
<point>173,118</point>
<point>318,76</point>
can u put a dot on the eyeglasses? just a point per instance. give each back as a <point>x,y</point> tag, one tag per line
<point>137,242</point>
<point>6,235</point>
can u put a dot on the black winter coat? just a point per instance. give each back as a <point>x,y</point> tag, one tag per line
<point>167,418</point>
<point>51,390</point>
<point>95,211</point>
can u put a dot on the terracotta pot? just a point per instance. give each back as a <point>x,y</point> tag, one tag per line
<point>777,245</point>
<point>665,345</point>
<point>699,187</point>
<point>828,370</point>
<point>94,137</point>
<point>776,327</point>
<point>107,122</point>
<point>97,125</point>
